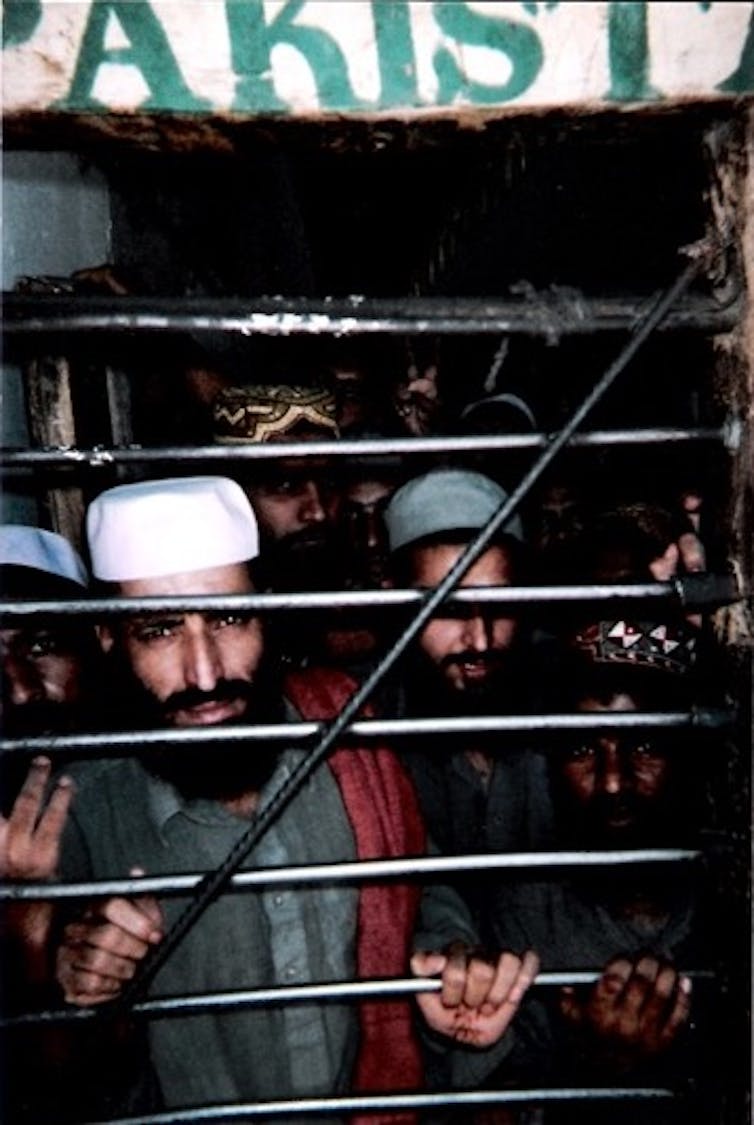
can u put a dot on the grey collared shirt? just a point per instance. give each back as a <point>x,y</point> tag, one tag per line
<point>122,818</point>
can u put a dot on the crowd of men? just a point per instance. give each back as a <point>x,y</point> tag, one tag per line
<point>293,524</point>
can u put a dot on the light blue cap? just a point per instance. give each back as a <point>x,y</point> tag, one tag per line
<point>445,500</point>
<point>38,549</point>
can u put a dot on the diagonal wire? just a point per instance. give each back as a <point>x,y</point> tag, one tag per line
<point>214,882</point>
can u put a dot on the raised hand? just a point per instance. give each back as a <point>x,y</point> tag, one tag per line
<point>30,836</point>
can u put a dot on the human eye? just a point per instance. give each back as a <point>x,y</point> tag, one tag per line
<point>584,753</point>
<point>152,631</point>
<point>233,618</point>
<point>643,751</point>
<point>44,644</point>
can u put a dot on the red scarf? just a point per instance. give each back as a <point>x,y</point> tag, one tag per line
<point>381,805</point>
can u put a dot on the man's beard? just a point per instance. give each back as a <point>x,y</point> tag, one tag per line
<point>222,770</point>
<point>304,560</point>
<point>39,718</point>
<point>502,691</point>
<point>622,820</point>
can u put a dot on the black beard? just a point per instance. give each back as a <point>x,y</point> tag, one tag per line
<point>504,691</point>
<point>657,822</point>
<point>33,720</point>
<point>304,560</point>
<point>221,770</point>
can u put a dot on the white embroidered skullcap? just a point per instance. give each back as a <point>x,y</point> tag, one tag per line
<point>161,527</point>
<point>38,549</point>
<point>445,500</point>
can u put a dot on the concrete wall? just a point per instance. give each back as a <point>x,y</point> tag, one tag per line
<point>56,219</point>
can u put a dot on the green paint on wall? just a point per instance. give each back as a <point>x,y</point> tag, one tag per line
<point>518,43</point>
<point>742,78</point>
<point>148,50</point>
<point>252,40</point>
<point>395,54</point>
<point>20,19</point>
<point>628,53</point>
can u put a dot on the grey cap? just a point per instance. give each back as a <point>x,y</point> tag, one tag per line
<point>445,500</point>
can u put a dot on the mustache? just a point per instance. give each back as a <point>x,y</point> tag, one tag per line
<point>223,692</point>
<point>32,720</point>
<point>492,657</point>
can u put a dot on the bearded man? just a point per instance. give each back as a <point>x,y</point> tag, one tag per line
<point>177,811</point>
<point>475,658</point>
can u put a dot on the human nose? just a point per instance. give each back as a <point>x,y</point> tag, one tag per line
<point>611,772</point>
<point>312,508</point>
<point>21,680</point>
<point>202,664</point>
<point>476,632</point>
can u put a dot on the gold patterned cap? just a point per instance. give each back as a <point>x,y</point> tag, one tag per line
<point>264,412</point>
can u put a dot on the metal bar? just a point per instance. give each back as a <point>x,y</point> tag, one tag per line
<point>215,880</point>
<point>243,999</point>
<point>100,457</point>
<point>337,599</point>
<point>100,744</point>
<point>374,1103</point>
<point>692,590</point>
<point>355,871</point>
<point>539,315</point>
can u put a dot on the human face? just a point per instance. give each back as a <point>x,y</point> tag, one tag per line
<point>197,666</point>
<point>467,643</point>
<point>615,783</point>
<point>40,666</point>
<point>293,502</point>
<point>362,517</point>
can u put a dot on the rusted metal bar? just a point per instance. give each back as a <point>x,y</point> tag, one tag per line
<point>544,313</point>
<point>101,457</point>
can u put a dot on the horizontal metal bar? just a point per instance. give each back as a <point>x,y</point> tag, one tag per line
<point>386,1103</point>
<point>692,590</point>
<point>339,599</point>
<point>242,999</point>
<point>100,457</point>
<point>539,314</point>
<point>357,871</point>
<point>117,743</point>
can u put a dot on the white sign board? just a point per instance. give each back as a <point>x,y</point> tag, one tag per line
<point>365,57</point>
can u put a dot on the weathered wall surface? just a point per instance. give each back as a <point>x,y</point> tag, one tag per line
<point>294,57</point>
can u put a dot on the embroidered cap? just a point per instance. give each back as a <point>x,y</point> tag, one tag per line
<point>37,549</point>
<point>445,500</point>
<point>664,647</point>
<point>268,412</point>
<point>160,527</point>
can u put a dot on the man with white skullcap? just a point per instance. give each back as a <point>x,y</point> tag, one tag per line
<point>42,674</point>
<point>46,673</point>
<point>182,810</point>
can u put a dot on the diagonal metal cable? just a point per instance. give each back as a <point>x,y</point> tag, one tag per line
<point>214,882</point>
